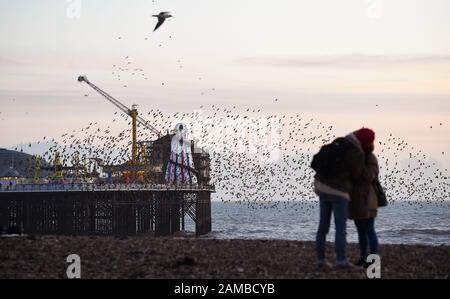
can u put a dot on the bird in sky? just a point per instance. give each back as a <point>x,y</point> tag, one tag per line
<point>162,16</point>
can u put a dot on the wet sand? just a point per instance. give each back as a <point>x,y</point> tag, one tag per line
<point>185,258</point>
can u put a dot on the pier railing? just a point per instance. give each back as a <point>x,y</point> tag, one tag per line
<point>45,187</point>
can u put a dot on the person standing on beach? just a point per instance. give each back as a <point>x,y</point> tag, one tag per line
<point>364,204</point>
<point>338,167</point>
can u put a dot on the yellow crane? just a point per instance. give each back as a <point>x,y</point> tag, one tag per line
<point>37,168</point>
<point>58,166</point>
<point>135,118</point>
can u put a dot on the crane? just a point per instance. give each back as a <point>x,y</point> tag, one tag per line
<point>135,118</point>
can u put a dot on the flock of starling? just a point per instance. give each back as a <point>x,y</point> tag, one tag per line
<point>259,160</point>
<point>239,144</point>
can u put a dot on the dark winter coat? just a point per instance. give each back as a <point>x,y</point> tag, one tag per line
<point>364,201</point>
<point>353,165</point>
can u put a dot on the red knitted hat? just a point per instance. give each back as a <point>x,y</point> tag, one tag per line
<point>365,136</point>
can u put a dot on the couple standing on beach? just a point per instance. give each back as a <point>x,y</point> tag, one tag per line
<point>346,172</point>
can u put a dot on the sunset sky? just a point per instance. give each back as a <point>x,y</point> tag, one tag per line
<point>376,63</point>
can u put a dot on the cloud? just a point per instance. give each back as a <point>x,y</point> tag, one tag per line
<point>4,62</point>
<point>351,60</point>
<point>54,59</point>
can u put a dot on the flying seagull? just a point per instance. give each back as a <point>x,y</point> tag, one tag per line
<point>161,18</point>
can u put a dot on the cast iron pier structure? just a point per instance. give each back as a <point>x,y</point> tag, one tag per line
<point>83,209</point>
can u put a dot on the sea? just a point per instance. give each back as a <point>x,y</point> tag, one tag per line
<point>409,222</point>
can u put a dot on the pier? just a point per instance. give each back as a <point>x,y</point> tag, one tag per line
<point>88,209</point>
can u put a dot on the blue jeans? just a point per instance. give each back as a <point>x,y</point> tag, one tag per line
<point>367,236</point>
<point>339,206</point>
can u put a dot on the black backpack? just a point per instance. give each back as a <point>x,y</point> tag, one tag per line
<point>329,161</point>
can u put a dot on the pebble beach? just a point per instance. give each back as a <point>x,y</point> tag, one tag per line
<point>43,257</point>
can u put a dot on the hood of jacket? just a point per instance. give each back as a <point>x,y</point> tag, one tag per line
<point>354,140</point>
